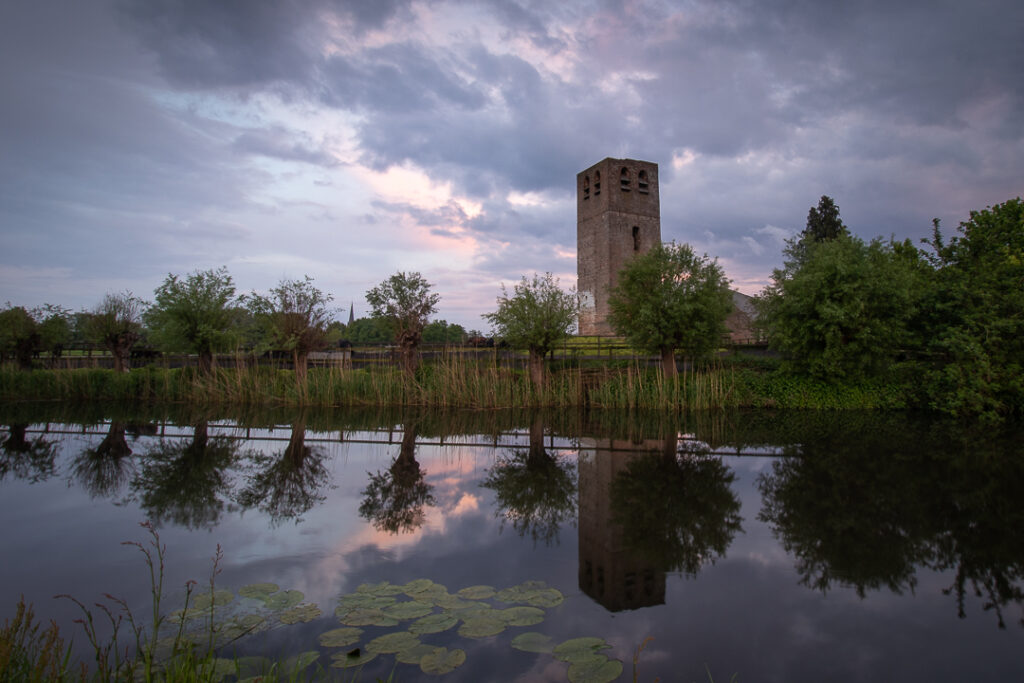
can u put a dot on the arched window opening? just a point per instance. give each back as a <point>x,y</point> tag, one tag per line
<point>624,179</point>
<point>597,182</point>
<point>641,182</point>
<point>586,187</point>
<point>636,238</point>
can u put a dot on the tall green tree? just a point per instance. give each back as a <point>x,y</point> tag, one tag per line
<point>669,298</point>
<point>116,324</point>
<point>405,300</point>
<point>976,305</point>
<point>195,314</point>
<point>294,317</point>
<point>536,317</point>
<point>443,332</point>
<point>823,222</point>
<point>19,335</point>
<point>843,309</point>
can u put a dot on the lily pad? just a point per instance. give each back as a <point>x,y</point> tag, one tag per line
<point>239,626</point>
<point>367,617</point>
<point>433,623</point>
<point>473,609</point>
<point>520,616</point>
<point>414,654</point>
<point>545,597</point>
<point>295,664</point>
<point>203,601</point>
<point>383,588</point>
<point>449,601</point>
<point>302,613</point>
<point>417,586</point>
<point>340,637</point>
<point>284,600</point>
<point>365,600</point>
<point>531,641</point>
<point>442,661</point>
<point>344,660</point>
<point>598,669</point>
<point>481,627</point>
<point>579,649</point>
<point>477,592</point>
<point>258,591</point>
<point>392,642</point>
<point>408,610</point>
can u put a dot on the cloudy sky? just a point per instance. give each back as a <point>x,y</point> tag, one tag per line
<point>349,139</point>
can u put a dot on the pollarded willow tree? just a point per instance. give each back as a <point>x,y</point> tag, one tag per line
<point>196,314</point>
<point>536,317</point>
<point>294,317</point>
<point>117,324</point>
<point>669,298</point>
<point>405,300</point>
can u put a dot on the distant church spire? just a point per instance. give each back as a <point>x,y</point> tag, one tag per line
<point>351,313</point>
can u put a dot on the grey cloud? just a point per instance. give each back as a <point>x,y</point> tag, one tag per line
<point>280,144</point>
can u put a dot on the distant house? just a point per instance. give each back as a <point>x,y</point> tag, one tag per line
<point>741,321</point>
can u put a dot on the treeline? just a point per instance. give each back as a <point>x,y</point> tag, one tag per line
<point>946,318</point>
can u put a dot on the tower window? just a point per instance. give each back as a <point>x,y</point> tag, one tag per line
<point>636,238</point>
<point>641,182</point>
<point>586,187</point>
<point>597,182</point>
<point>624,179</point>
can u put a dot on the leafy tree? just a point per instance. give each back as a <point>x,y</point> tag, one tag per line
<point>19,335</point>
<point>116,324</point>
<point>823,222</point>
<point>369,331</point>
<point>844,309</point>
<point>293,318</point>
<point>976,340</point>
<point>669,298</point>
<point>195,314</point>
<point>54,324</point>
<point>443,332</point>
<point>406,302</point>
<point>393,500</point>
<point>535,317</point>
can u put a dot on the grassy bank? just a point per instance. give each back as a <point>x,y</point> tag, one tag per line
<point>455,382</point>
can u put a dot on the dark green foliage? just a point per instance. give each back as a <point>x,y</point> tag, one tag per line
<point>294,317</point>
<point>406,302</point>
<point>116,324</point>
<point>369,331</point>
<point>23,333</point>
<point>443,332</point>
<point>195,314</point>
<point>975,315</point>
<point>823,222</point>
<point>841,309</point>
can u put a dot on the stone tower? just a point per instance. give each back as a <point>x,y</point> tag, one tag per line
<point>618,215</point>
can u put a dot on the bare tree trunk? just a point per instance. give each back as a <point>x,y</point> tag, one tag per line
<point>122,357</point>
<point>668,362</point>
<point>205,362</point>
<point>410,359</point>
<point>537,369</point>
<point>299,360</point>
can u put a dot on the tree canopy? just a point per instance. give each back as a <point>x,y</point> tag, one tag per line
<point>195,314</point>
<point>294,317</point>
<point>823,222</point>
<point>669,298</point>
<point>535,317</point>
<point>117,325</point>
<point>406,301</point>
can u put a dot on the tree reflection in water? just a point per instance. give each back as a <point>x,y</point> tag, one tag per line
<point>33,460</point>
<point>866,508</point>
<point>287,485</point>
<point>185,482</point>
<point>106,468</point>
<point>394,500</point>
<point>676,508</point>
<point>536,491</point>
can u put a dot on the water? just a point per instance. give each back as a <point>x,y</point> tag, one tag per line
<point>782,547</point>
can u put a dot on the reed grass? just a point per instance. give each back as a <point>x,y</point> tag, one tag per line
<point>456,381</point>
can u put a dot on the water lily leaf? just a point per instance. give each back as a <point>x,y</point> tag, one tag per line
<point>520,616</point>
<point>367,617</point>
<point>579,649</point>
<point>392,642</point>
<point>417,585</point>
<point>481,627</point>
<point>383,588</point>
<point>433,623</point>
<point>408,610</point>
<point>301,613</point>
<point>414,654</point>
<point>238,627</point>
<point>545,597</point>
<point>598,669</point>
<point>473,609</point>
<point>477,592</point>
<point>531,641</point>
<point>365,600</point>
<point>340,637</point>
<point>442,660</point>
<point>258,591</point>
<point>344,660</point>
<point>449,601</point>
<point>295,664</point>
<point>203,601</point>
<point>284,600</point>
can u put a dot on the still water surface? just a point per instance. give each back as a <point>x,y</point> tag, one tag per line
<point>776,547</point>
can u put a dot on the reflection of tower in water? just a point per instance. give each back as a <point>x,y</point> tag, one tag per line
<point>609,572</point>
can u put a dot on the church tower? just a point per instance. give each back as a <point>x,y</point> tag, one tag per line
<point>618,215</point>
